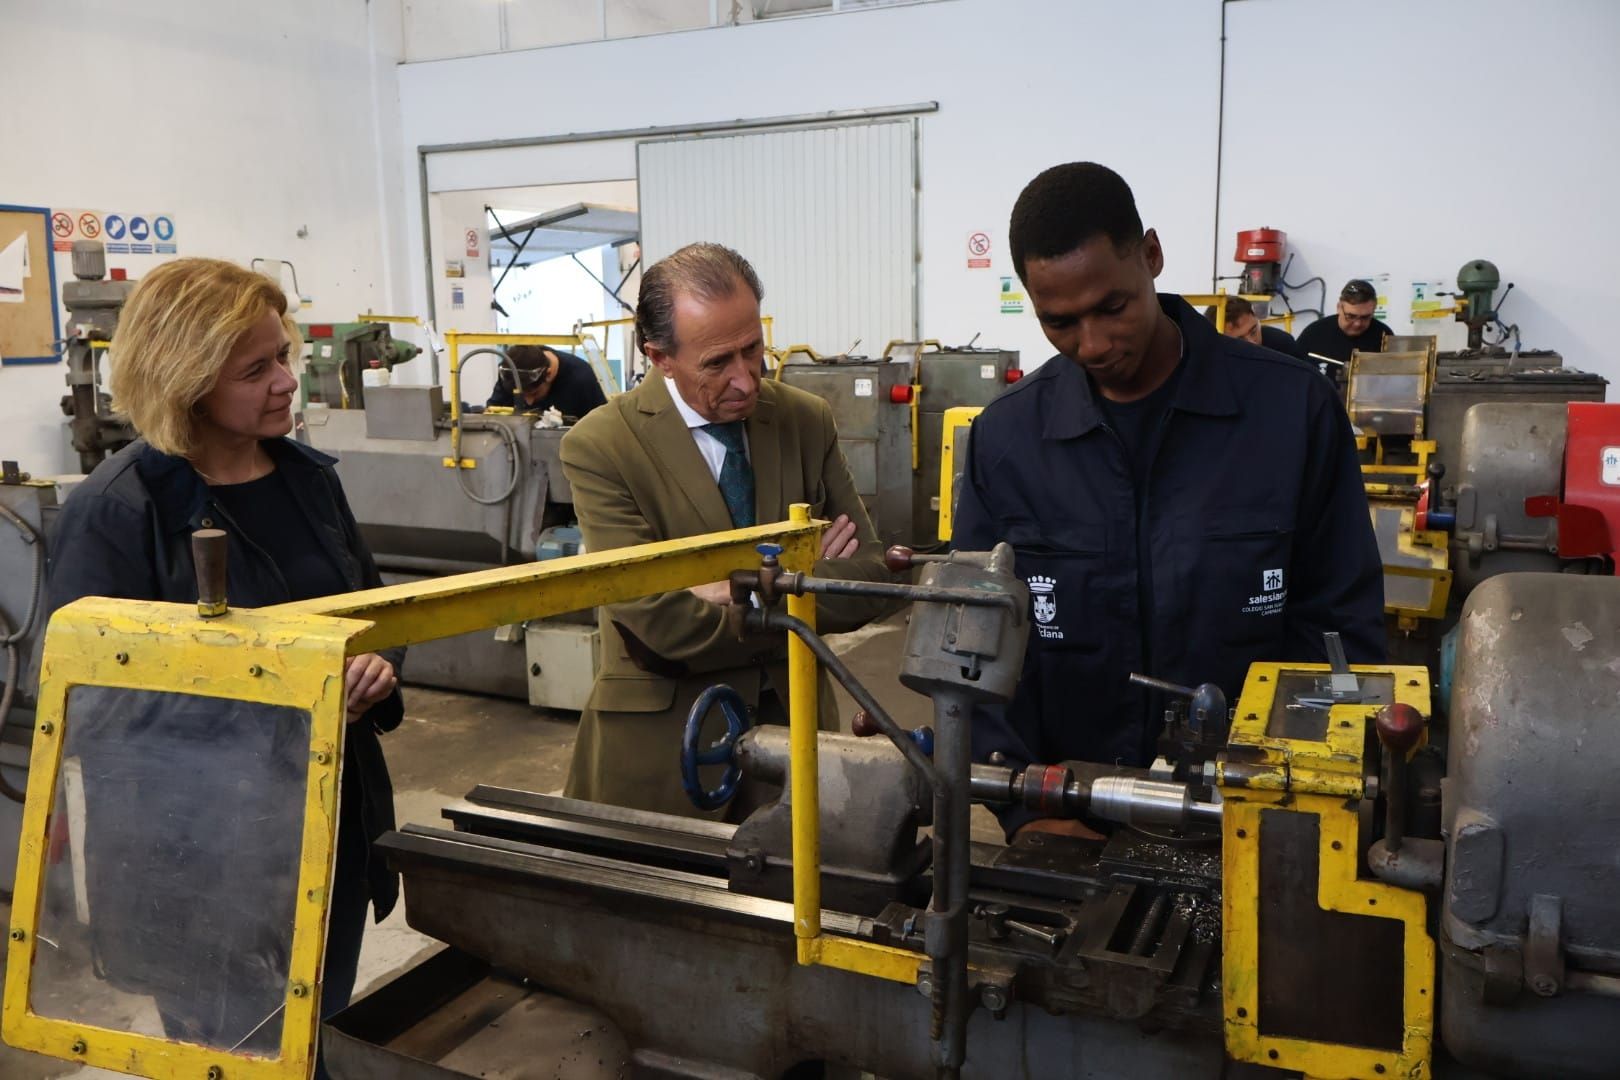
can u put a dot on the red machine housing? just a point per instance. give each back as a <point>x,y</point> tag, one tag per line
<point>1261,253</point>
<point>1588,512</point>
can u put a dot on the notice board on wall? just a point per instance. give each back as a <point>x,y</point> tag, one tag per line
<point>29,323</point>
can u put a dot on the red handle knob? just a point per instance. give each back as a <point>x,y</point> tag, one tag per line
<point>863,725</point>
<point>898,558</point>
<point>1399,726</point>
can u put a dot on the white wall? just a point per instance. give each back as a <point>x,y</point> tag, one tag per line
<point>1021,85</point>
<point>246,120</point>
<point>1486,129</point>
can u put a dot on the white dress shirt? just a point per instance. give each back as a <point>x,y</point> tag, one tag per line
<point>712,449</point>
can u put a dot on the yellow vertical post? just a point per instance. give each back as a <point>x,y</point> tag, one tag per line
<point>454,340</point>
<point>803,721</point>
<point>1220,310</point>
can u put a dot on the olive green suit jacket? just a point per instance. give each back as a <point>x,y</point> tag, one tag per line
<point>638,477</point>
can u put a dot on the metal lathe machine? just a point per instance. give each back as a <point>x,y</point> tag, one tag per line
<point>1316,879</point>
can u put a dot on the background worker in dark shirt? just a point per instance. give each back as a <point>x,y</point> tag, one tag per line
<point>1354,327</point>
<point>1244,324</point>
<point>1181,504</point>
<point>549,379</point>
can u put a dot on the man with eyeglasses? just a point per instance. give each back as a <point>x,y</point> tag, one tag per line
<point>1353,327</point>
<point>547,379</point>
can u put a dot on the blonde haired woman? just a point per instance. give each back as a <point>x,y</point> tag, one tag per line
<point>202,366</point>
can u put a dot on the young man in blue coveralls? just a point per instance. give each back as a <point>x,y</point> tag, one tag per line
<point>1183,504</point>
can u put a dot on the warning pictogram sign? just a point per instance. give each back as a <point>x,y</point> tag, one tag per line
<point>978,251</point>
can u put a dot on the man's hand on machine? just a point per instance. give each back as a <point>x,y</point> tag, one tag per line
<point>1058,827</point>
<point>367,678</point>
<point>840,541</point>
<point>716,592</point>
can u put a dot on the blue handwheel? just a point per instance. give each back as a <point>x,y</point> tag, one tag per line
<point>722,751</point>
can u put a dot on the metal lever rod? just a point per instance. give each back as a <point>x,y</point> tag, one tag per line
<point>764,619</point>
<point>799,584</point>
<point>209,548</point>
<point>1160,685</point>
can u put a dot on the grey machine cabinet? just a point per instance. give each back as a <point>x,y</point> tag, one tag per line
<point>1463,380</point>
<point>1508,453</point>
<point>25,531</point>
<point>420,523</point>
<point>951,378</point>
<point>1530,924</point>
<point>874,428</point>
<point>874,432</point>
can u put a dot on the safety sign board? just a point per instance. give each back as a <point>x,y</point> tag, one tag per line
<point>978,247</point>
<point>152,234</point>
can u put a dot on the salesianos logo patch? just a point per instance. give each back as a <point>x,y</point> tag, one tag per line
<point>1043,601</point>
<point>1272,596</point>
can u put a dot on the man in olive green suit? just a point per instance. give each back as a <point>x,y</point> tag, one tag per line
<point>703,445</point>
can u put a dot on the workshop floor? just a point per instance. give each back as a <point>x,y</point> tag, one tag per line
<point>450,742</point>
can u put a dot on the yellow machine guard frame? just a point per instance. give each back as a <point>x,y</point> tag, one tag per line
<point>293,654</point>
<point>955,418</point>
<point>252,656</point>
<point>1323,778</point>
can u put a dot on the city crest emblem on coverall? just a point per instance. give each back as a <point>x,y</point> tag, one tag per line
<point>1044,602</point>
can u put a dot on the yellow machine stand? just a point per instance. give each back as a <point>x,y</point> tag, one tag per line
<point>1324,971</point>
<point>958,422</point>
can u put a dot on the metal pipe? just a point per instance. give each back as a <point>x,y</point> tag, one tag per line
<point>800,583</point>
<point>953,757</point>
<point>776,620</point>
<point>1395,803</point>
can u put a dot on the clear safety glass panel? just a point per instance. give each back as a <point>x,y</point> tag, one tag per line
<point>172,870</point>
<point>1300,708</point>
<point>1403,591</point>
<point>1387,392</point>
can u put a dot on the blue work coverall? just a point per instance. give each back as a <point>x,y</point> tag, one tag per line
<point>1253,528</point>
